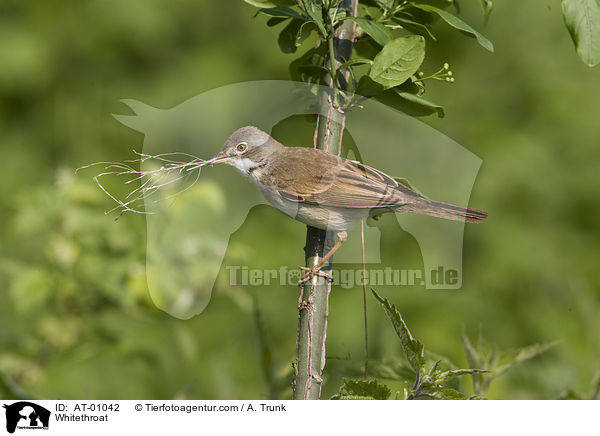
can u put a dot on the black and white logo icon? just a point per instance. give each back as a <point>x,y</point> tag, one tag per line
<point>26,415</point>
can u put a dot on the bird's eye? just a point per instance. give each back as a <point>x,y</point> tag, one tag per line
<point>241,147</point>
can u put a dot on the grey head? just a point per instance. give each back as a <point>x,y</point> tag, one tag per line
<point>246,149</point>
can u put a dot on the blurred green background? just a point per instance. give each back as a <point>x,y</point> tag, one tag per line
<point>76,320</point>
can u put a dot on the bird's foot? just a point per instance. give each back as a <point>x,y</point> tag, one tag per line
<point>311,272</point>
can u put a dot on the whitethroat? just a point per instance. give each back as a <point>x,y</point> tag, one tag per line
<point>323,190</point>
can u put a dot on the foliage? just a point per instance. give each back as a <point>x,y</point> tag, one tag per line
<point>362,390</point>
<point>413,348</point>
<point>428,383</point>
<point>434,378</point>
<point>391,43</point>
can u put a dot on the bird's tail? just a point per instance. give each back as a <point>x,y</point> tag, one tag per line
<point>447,211</point>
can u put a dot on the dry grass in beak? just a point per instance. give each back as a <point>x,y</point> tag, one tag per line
<point>167,171</point>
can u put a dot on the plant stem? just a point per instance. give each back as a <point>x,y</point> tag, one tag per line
<point>313,304</point>
<point>364,283</point>
<point>333,68</point>
<point>312,325</point>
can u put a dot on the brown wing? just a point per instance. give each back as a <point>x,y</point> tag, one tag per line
<point>331,181</point>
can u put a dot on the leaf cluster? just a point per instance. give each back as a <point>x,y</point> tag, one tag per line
<point>433,376</point>
<point>390,46</point>
<point>428,383</point>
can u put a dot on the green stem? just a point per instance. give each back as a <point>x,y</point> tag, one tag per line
<point>332,63</point>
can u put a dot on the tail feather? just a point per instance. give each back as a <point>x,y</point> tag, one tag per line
<point>447,211</point>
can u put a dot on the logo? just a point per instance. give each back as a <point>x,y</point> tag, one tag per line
<point>26,415</point>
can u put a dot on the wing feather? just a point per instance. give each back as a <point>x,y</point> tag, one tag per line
<point>337,182</point>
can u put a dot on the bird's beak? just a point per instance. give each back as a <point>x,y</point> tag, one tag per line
<point>218,158</point>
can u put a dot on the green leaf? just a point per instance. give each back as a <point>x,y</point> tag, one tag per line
<point>424,105</point>
<point>459,24</point>
<point>362,390</point>
<point>409,103</point>
<point>413,86</point>
<point>449,394</point>
<point>280,11</point>
<point>380,34</point>
<point>442,4</point>
<point>477,357</point>
<point>439,360</point>
<point>304,32</point>
<point>367,87</point>
<point>336,14</point>
<point>393,371</point>
<point>413,348</point>
<point>389,370</point>
<point>367,48</point>
<point>287,36</point>
<point>398,60</point>
<point>443,376</point>
<point>473,355</point>
<point>274,21</point>
<point>414,27</point>
<point>269,4</point>
<point>412,12</point>
<point>355,61</point>
<point>314,9</point>
<point>308,67</point>
<point>582,18</point>
<point>383,4</point>
<point>294,34</point>
<point>513,358</point>
<point>314,70</point>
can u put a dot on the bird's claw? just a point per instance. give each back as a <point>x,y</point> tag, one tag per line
<point>311,272</point>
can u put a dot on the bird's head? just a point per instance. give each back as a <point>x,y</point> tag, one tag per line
<point>246,149</point>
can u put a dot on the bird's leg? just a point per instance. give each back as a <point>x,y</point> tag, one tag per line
<point>316,270</point>
<point>342,236</point>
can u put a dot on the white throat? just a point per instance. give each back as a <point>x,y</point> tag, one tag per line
<point>244,165</point>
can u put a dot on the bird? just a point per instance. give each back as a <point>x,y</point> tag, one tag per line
<point>323,190</point>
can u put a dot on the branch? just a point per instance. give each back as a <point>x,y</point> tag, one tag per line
<point>314,297</point>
